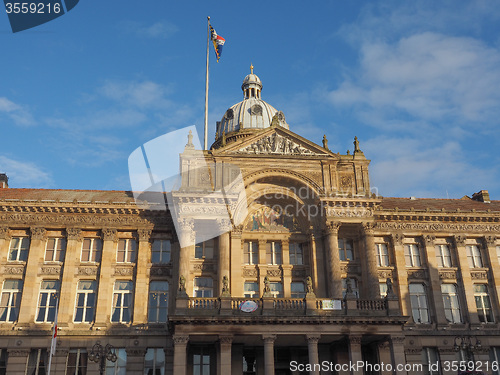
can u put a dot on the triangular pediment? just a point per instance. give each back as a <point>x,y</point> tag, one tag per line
<point>275,141</point>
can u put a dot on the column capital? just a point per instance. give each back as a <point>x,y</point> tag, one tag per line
<point>269,339</point>
<point>224,224</point>
<point>144,234</point>
<point>313,339</point>
<point>38,233</point>
<point>398,340</point>
<point>18,352</point>
<point>135,352</point>
<point>459,239</point>
<point>180,339</point>
<point>428,239</point>
<point>237,231</point>
<point>355,339</point>
<point>74,234</point>
<point>4,233</point>
<point>490,240</point>
<point>109,234</point>
<point>397,238</point>
<point>332,227</point>
<point>368,228</point>
<point>225,339</point>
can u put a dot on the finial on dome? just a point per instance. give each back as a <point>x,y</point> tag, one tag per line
<point>251,68</point>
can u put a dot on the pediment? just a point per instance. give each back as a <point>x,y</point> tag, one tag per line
<point>276,141</point>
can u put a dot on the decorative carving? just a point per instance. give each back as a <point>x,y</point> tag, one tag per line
<point>109,234</point>
<point>398,340</point>
<point>312,339</point>
<point>479,275</point>
<point>390,289</point>
<point>229,114</point>
<point>203,267</point>
<point>349,211</point>
<point>256,110</point>
<point>180,340</point>
<point>413,350</point>
<point>460,240</point>
<point>417,274</point>
<point>226,340</point>
<point>160,271</point>
<point>443,350</point>
<point>225,287</point>
<point>355,340</point>
<point>144,234</point>
<point>444,275</point>
<point>490,240</point>
<point>182,284</point>
<point>309,285</point>
<point>74,234</point>
<point>13,270</point>
<point>269,339</point>
<point>249,273</point>
<point>87,271</point>
<point>267,287</point>
<point>50,270</point>
<point>429,239</point>
<point>437,227</point>
<point>18,352</point>
<point>332,227</point>
<point>274,273</point>
<point>4,233</point>
<point>124,271</point>
<point>135,352</point>
<point>368,228</point>
<point>384,274</point>
<point>38,233</point>
<point>224,224</point>
<point>345,182</point>
<point>398,238</point>
<point>276,144</point>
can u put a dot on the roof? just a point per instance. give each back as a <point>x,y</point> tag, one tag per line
<point>47,195</point>
<point>423,204</point>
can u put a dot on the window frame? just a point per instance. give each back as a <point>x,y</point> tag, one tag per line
<point>381,256</point>
<point>21,252</point>
<point>13,302</point>
<point>427,353</point>
<point>254,294</point>
<point>50,305</point>
<point>443,260</point>
<point>276,291</point>
<point>474,256</point>
<point>118,367</point>
<point>274,253</point>
<point>413,257</point>
<point>163,251</point>
<point>162,295</point>
<point>85,307</point>
<point>295,253</point>
<point>93,252</point>
<point>419,296</point>
<point>354,286</point>
<point>207,249</point>
<point>451,311</point>
<point>297,294</point>
<point>251,252</point>
<point>39,353</point>
<point>129,255</point>
<point>344,250</point>
<point>121,307</point>
<point>58,252</point>
<point>484,296</point>
<point>203,289</point>
<point>78,367</point>
<point>155,362</point>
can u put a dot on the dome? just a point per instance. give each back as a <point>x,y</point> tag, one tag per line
<point>252,112</point>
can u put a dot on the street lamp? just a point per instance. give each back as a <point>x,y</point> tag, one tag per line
<point>99,354</point>
<point>469,344</point>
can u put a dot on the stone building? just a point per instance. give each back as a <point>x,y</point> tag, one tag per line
<point>335,275</point>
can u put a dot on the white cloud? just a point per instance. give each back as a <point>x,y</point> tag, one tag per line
<point>17,113</point>
<point>24,174</point>
<point>158,30</point>
<point>145,94</point>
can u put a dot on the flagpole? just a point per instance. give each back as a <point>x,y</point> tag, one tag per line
<point>54,337</point>
<point>206,86</point>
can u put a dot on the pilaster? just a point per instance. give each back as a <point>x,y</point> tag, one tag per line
<point>401,273</point>
<point>103,307</point>
<point>333,263</point>
<point>140,315</point>
<point>371,267</point>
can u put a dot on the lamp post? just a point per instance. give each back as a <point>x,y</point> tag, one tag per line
<point>99,354</point>
<point>469,344</point>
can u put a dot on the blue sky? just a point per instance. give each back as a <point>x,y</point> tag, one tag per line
<point>417,82</point>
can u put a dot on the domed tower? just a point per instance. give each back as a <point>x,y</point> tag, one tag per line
<point>248,116</point>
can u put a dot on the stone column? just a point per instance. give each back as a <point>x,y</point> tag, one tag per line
<point>467,284</point>
<point>16,362</point>
<point>225,343</point>
<point>236,280</point>
<point>316,259</point>
<point>180,354</point>
<point>103,307</point>
<point>187,236</point>
<point>31,281</point>
<point>141,289</point>
<point>312,348</point>
<point>401,273</point>
<point>398,354</point>
<point>269,353</point>
<point>67,297</point>
<point>371,262</point>
<point>287,268</point>
<point>333,262</point>
<point>384,355</point>
<point>436,295</point>
<point>135,360</point>
<point>4,243</point>
<point>490,246</point>
<point>223,260</point>
<point>262,264</point>
<point>355,349</point>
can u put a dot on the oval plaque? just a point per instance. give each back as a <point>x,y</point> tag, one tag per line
<point>248,306</point>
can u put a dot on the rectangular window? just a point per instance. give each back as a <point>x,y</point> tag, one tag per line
<point>18,250</point>
<point>55,250</point>
<point>37,362</point>
<point>273,253</point>
<point>126,250</point>
<point>251,252</point>
<point>10,300</point>
<point>3,361</point>
<point>382,255</point>
<point>419,305</point>
<point>296,253</point>
<point>443,255</point>
<point>474,256</point>
<point>158,302</point>
<point>383,289</point>
<point>483,303</point>
<point>203,287</point>
<point>76,363</point>
<point>298,290</point>
<point>495,358</point>
<point>345,249</point>
<point>120,366</point>
<point>430,357</point>
<point>353,283</point>
<point>276,289</point>
<point>412,255</point>
<point>49,289</point>
<point>251,289</point>
<point>201,361</point>
<point>122,302</point>
<point>204,249</point>
<point>160,251</point>
<point>91,250</point>
<point>85,301</point>
<point>451,303</point>
<point>154,362</point>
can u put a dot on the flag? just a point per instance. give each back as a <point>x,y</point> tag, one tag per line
<point>218,42</point>
<point>54,335</point>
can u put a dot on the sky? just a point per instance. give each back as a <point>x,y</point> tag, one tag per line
<point>417,82</point>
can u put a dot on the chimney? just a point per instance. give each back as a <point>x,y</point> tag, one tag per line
<point>4,181</point>
<point>482,196</point>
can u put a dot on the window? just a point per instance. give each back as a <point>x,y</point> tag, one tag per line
<point>47,301</point>
<point>483,304</point>
<point>18,250</point>
<point>419,305</point>
<point>443,255</point>
<point>91,250</point>
<point>201,361</point>
<point>203,287</point>
<point>122,302</point>
<point>126,250</point>
<point>158,302</point>
<point>160,251</point>
<point>298,290</point>
<point>382,255</point>
<point>451,303</point>
<point>205,249</point>
<point>383,289</point>
<point>474,256</point>
<point>273,253</point>
<point>37,362</point>
<point>412,255</point>
<point>85,301</point>
<point>55,250</point>
<point>251,289</point>
<point>354,287</point>
<point>3,361</point>
<point>154,362</point>
<point>345,249</point>
<point>251,252</point>
<point>296,253</point>
<point>77,362</point>
<point>276,289</point>
<point>498,253</point>
<point>495,358</point>
<point>120,366</point>
<point>10,300</point>
<point>430,357</point>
